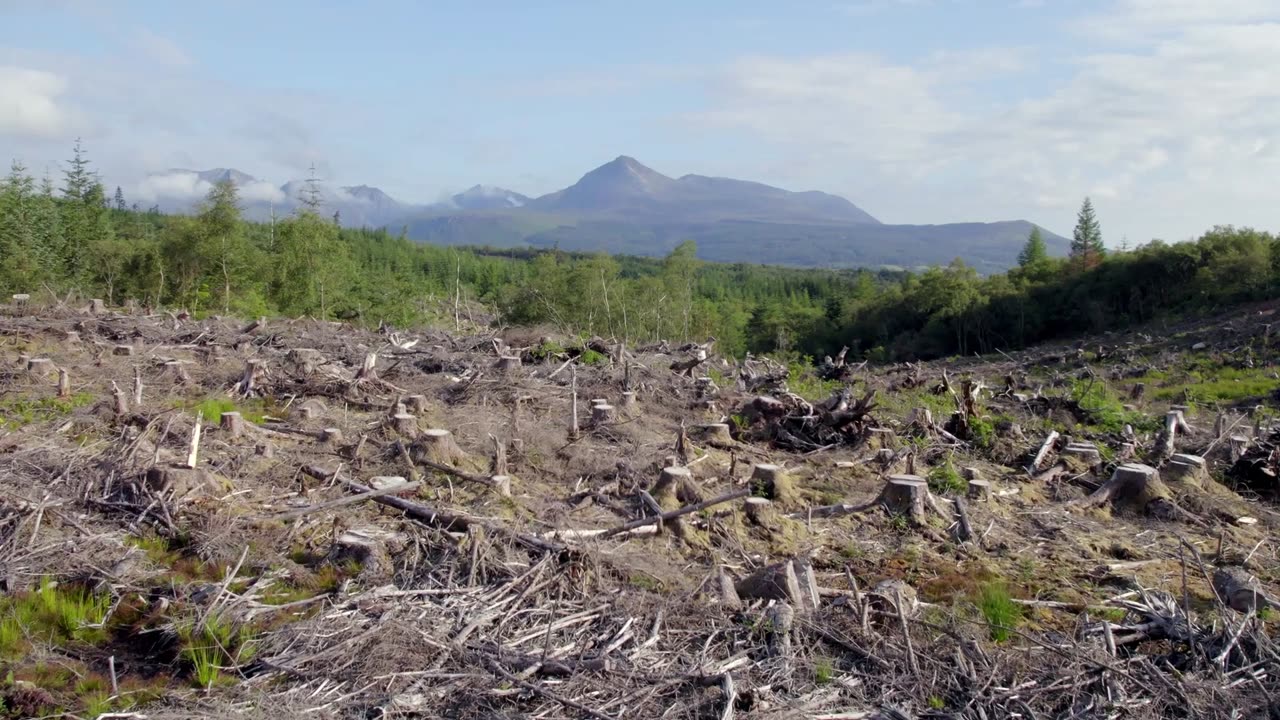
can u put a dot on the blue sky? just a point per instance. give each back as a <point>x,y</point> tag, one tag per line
<point>926,111</point>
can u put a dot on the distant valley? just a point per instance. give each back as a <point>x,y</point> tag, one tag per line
<point>624,207</point>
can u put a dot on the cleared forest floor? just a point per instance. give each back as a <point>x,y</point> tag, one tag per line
<point>214,518</point>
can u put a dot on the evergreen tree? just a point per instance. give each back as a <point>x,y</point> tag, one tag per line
<point>119,199</point>
<point>1034,252</point>
<point>18,260</point>
<point>223,241</point>
<point>1086,242</point>
<point>76,178</point>
<point>337,218</point>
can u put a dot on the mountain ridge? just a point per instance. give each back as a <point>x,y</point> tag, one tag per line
<point>626,207</point>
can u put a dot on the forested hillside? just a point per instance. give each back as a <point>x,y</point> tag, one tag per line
<point>78,238</point>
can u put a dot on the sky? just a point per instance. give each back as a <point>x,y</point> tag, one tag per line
<point>1165,112</point>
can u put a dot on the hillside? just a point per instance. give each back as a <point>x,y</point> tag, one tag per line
<point>203,517</point>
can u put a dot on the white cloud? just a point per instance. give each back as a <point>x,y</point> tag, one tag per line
<point>158,48</point>
<point>183,185</point>
<point>1190,103</point>
<point>261,191</point>
<point>29,103</point>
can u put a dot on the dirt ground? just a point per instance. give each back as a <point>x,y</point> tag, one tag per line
<point>918,551</point>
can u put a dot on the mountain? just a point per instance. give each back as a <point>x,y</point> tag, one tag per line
<point>625,207</point>
<point>624,188</point>
<point>487,197</point>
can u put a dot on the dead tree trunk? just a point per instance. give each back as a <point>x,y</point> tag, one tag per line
<point>1240,589</point>
<point>772,582</point>
<point>255,371</point>
<point>405,425</point>
<point>907,495</point>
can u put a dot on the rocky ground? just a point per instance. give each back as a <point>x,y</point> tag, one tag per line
<point>216,518</point>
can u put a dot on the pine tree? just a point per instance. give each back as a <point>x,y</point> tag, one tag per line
<point>77,179</point>
<point>1086,242</point>
<point>119,199</point>
<point>1034,252</point>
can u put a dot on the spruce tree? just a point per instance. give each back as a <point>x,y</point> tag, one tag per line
<point>120,203</point>
<point>1034,252</point>
<point>1086,242</point>
<point>77,180</point>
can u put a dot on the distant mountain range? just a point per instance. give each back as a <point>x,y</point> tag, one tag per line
<point>624,207</point>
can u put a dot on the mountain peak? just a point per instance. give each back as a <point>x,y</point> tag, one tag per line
<point>488,197</point>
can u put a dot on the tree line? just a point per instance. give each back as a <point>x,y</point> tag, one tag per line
<point>77,238</point>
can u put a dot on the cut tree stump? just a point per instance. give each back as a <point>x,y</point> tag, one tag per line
<point>405,425</point>
<point>250,383</point>
<point>176,370</point>
<point>507,363</point>
<point>438,446</point>
<point>41,367</point>
<point>727,593</point>
<point>1184,470</point>
<point>501,484</point>
<point>371,548</point>
<point>331,436</point>
<point>907,495</point>
<point>71,337</point>
<point>182,482</point>
<point>774,483</point>
<point>778,620</point>
<point>675,489</point>
<point>715,435</point>
<point>311,410</point>
<point>232,423</point>
<point>761,512</point>
<point>122,350</point>
<point>1087,452</point>
<point>772,582</point>
<point>1137,487</point>
<point>601,414</point>
<point>305,361</point>
<point>416,404</point>
<point>1240,589</point>
<point>880,439</point>
<point>64,383</point>
<point>265,450</point>
<point>97,307</point>
<point>893,597</point>
<point>979,490</point>
<point>628,400</point>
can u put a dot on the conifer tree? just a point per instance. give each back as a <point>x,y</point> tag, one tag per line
<point>1034,252</point>
<point>119,200</point>
<point>1086,242</point>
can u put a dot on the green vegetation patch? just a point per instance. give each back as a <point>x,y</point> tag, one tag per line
<point>19,412</point>
<point>945,479</point>
<point>51,614</point>
<point>996,605</point>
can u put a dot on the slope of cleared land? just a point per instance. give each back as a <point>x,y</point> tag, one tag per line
<point>214,518</point>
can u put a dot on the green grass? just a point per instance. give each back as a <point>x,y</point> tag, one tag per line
<point>1208,383</point>
<point>945,479</point>
<point>1106,410</point>
<point>548,349</point>
<point>823,671</point>
<point>936,703</point>
<point>51,613</point>
<point>999,609</point>
<point>212,409</point>
<point>217,646</point>
<point>803,381</point>
<point>19,412</point>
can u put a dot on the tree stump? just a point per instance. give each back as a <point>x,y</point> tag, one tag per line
<point>979,490</point>
<point>907,495</point>
<point>1238,445</point>
<point>71,337</point>
<point>1086,452</point>
<point>1240,589</point>
<point>1139,389</point>
<point>265,450</point>
<point>601,414</point>
<point>405,425</point>
<point>416,404</point>
<point>331,436</point>
<point>122,350</point>
<point>176,370</point>
<point>894,597</point>
<point>255,372</point>
<point>628,400</point>
<point>232,424</point>
<point>1135,486</point>
<point>772,482</point>
<point>715,435</point>
<point>182,482</point>
<point>676,483</point>
<point>501,484</point>
<point>778,622</point>
<point>97,307</point>
<point>1184,470</point>
<point>305,361</point>
<point>760,512</point>
<point>64,383</point>
<point>121,401</point>
<point>370,548</point>
<point>41,367</point>
<point>771,582</point>
<point>20,301</point>
<point>311,410</point>
<point>885,458</point>
<point>438,446</point>
<point>507,363</point>
<point>880,438</point>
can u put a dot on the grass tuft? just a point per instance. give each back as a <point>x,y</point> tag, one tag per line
<point>998,607</point>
